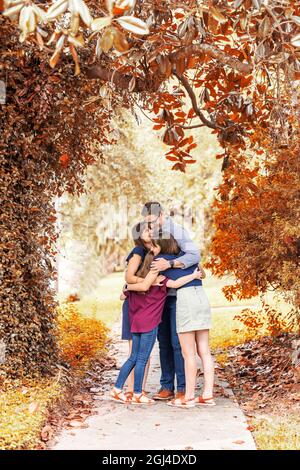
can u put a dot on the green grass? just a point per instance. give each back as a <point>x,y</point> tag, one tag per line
<point>104,303</point>
<point>213,287</point>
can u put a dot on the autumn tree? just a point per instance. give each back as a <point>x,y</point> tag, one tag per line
<point>233,67</point>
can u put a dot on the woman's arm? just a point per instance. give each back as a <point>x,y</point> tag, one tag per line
<point>184,279</point>
<point>146,283</point>
<point>132,267</point>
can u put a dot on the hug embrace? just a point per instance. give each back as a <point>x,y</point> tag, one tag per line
<point>164,299</point>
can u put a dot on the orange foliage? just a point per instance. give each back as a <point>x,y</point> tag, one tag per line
<point>270,321</point>
<point>256,224</point>
<point>80,338</point>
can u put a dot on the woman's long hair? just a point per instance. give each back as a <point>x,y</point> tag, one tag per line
<point>168,245</point>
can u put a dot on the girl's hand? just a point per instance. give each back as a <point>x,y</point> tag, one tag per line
<point>203,273</point>
<point>197,274</point>
<point>122,296</point>
<point>158,280</point>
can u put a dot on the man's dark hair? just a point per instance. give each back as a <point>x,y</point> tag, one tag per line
<point>152,208</point>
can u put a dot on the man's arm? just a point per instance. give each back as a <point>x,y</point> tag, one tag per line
<point>191,252</point>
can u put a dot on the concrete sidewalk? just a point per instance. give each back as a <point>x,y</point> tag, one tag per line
<point>117,426</point>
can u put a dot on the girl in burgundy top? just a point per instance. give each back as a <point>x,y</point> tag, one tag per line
<point>146,302</point>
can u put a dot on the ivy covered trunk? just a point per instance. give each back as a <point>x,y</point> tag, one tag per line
<point>46,136</point>
<point>27,303</point>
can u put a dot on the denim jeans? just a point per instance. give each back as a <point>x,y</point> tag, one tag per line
<point>171,359</point>
<point>142,345</point>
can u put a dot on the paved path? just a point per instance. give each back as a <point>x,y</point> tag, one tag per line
<point>117,426</point>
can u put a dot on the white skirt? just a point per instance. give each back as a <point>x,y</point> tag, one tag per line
<point>192,309</point>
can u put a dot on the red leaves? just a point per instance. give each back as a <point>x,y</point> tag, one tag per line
<point>191,113</point>
<point>156,107</point>
<point>64,160</point>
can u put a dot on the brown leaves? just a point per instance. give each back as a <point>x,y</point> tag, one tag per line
<point>164,65</point>
<point>107,40</point>
<point>217,14</point>
<point>43,120</point>
<point>261,371</point>
<point>120,42</point>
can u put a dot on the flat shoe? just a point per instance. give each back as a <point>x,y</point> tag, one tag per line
<point>205,401</point>
<point>141,399</point>
<point>182,403</point>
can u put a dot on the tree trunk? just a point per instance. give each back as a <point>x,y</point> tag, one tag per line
<point>27,305</point>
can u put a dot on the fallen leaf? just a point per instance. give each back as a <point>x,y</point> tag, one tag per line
<point>46,433</point>
<point>33,407</point>
<point>75,423</point>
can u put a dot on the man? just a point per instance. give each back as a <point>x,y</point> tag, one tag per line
<point>171,359</point>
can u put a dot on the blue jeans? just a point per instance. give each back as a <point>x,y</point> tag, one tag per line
<point>142,345</point>
<point>171,359</point>
<point>126,334</point>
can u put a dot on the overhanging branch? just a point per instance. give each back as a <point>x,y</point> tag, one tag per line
<point>193,98</point>
<point>215,53</point>
<point>152,84</point>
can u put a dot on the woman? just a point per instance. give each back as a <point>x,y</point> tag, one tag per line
<point>142,241</point>
<point>145,312</point>
<point>193,322</point>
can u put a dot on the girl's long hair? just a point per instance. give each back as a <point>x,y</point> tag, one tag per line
<point>168,245</point>
<point>137,232</point>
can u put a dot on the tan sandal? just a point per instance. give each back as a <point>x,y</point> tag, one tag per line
<point>119,397</point>
<point>129,396</point>
<point>141,399</point>
<point>205,401</point>
<point>181,402</point>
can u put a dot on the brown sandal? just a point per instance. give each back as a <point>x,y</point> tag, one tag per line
<point>141,399</point>
<point>181,402</point>
<point>129,395</point>
<point>206,401</point>
<point>117,396</point>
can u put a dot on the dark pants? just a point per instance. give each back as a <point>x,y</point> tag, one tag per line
<point>171,359</point>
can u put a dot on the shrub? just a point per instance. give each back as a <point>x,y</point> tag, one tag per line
<point>80,338</point>
<point>268,320</point>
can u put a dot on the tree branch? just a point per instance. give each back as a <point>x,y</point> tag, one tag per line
<point>193,98</point>
<point>147,84</point>
<point>211,51</point>
<point>122,80</point>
